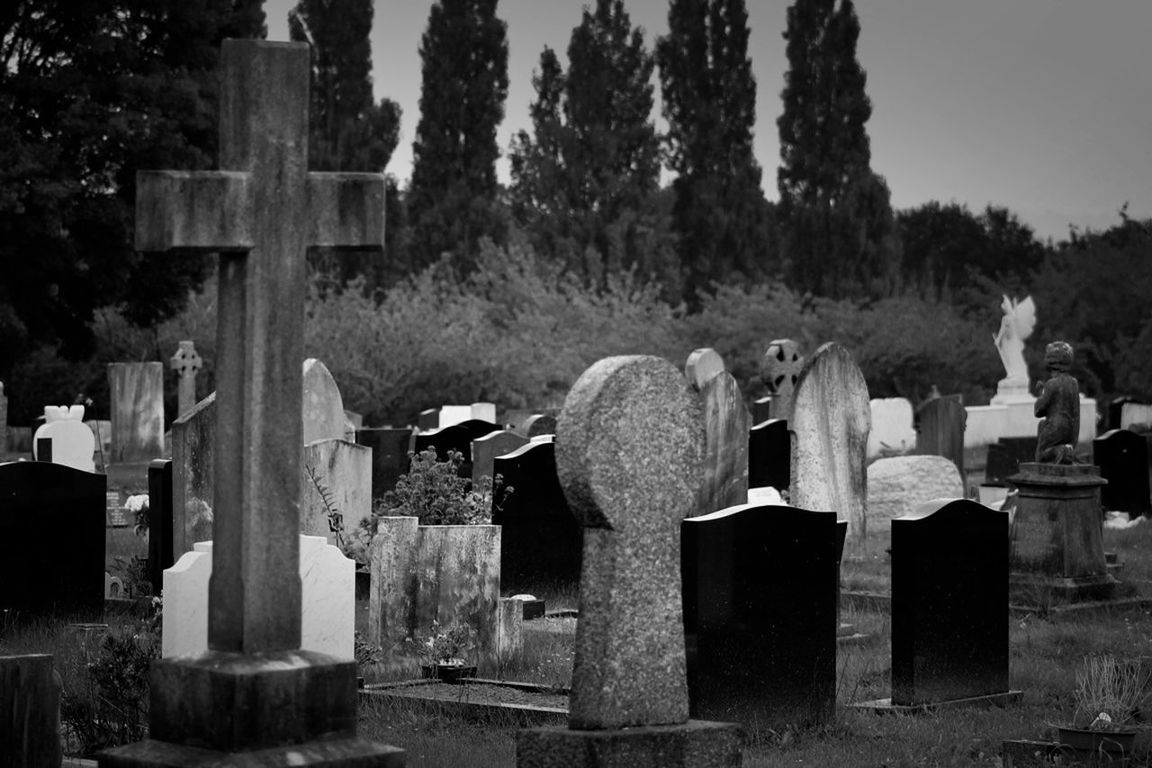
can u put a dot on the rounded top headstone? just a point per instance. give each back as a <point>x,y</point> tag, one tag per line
<point>703,365</point>
<point>630,444</point>
<point>322,407</point>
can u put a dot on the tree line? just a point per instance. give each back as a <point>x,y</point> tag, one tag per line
<point>93,90</point>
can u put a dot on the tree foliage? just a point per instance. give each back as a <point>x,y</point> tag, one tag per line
<point>709,99</point>
<point>452,199</point>
<point>91,91</point>
<point>584,179</point>
<point>835,215</point>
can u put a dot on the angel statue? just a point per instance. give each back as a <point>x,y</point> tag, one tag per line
<point>1016,326</point>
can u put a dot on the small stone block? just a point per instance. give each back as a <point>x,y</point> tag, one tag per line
<point>231,702</point>
<point>345,753</point>
<point>697,743</point>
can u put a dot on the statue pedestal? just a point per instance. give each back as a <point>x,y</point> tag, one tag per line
<point>1056,543</point>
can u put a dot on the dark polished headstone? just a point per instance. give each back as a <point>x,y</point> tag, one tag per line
<point>429,418</point>
<point>457,437</point>
<point>1116,410</point>
<point>1005,457</point>
<point>160,550</point>
<point>762,409</point>
<point>541,539</point>
<point>942,421</point>
<point>949,603</point>
<point>390,460</point>
<point>769,455</point>
<point>761,586</point>
<point>1122,456</point>
<point>66,578</point>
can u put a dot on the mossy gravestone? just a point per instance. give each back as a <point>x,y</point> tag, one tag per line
<point>629,449</point>
<point>725,432</point>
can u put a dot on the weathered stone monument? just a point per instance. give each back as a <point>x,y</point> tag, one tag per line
<point>137,394</point>
<point>629,446</point>
<point>830,421</point>
<point>255,697</point>
<point>185,362</point>
<point>725,432</point>
<point>1057,545</point>
<point>780,370</point>
<point>941,433</point>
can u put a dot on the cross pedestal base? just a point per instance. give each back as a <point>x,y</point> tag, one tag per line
<point>279,708</point>
<point>694,744</point>
<point>1057,546</point>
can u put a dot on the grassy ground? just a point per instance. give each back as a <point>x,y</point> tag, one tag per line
<point>1044,656</point>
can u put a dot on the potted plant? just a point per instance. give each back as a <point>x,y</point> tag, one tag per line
<point>443,654</point>
<point>1108,696</point>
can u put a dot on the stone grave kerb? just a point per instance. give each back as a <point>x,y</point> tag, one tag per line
<point>185,363</point>
<point>629,452</point>
<point>259,212</point>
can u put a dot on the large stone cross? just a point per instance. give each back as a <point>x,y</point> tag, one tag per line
<point>186,362</point>
<point>260,212</point>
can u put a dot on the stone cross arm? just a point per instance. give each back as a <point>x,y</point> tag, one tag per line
<point>213,210</point>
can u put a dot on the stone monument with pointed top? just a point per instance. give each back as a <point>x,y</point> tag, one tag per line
<point>185,362</point>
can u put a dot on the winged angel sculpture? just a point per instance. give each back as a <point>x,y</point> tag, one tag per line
<point>1016,326</point>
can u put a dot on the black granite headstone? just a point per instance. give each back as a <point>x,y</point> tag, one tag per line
<point>1116,410</point>
<point>160,553</point>
<point>390,460</point>
<point>541,541</point>
<point>762,409</point>
<point>941,429</point>
<point>65,575</point>
<point>43,449</point>
<point>457,437</point>
<point>949,603</point>
<point>770,455</point>
<point>429,418</point>
<point>1122,456</point>
<point>1005,456</point>
<point>761,585</point>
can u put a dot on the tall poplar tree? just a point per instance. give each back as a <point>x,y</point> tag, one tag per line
<point>348,129</point>
<point>720,213</point>
<point>582,182</point>
<point>453,197</point>
<point>836,221</point>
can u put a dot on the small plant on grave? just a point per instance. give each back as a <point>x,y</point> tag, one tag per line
<point>1109,692</point>
<point>444,646</point>
<point>134,573</point>
<point>364,652</point>
<point>434,492</point>
<point>138,506</point>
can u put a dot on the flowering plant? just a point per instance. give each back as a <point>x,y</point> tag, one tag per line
<point>138,506</point>
<point>444,646</point>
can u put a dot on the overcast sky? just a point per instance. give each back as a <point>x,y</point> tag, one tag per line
<point>1043,106</point>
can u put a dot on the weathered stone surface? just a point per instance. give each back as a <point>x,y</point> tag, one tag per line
<point>942,423</point>
<point>726,425</point>
<point>344,471</point>
<point>136,391</point>
<point>72,441</point>
<point>328,585</point>
<point>538,424</point>
<point>629,452</point>
<point>780,371</point>
<point>185,363</point>
<point>193,475</point>
<point>900,484</point>
<point>510,629</point>
<point>29,712</point>
<point>892,431</point>
<point>446,573</point>
<point>830,423</point>
<point>485,450</point>
<point>694,744</point>
<point>321,406</point>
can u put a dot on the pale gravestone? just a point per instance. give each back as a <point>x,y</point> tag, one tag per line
<point>629,445</point>
<point>892,430</point>
<point>830,423</point>
<point>260,214</point>
<point>725,432</point>
<point>193,475</point>
<point>485,450</point>
<point>538,424</point>
<point>337,480</point>
<point>328,590</point>
<point>71,441</point>
<point>780,370</point>
<point>322,407</point>
<point>186,362</point>
<point>897,485</point>
<point>137,394</point>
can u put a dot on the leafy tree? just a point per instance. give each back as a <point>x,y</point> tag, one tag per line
<point>581,183</point>
<point>348,129</point>
<point>835,215</point>
<point>452,199</point>
<point>91,91</point>
<point>720,214</point>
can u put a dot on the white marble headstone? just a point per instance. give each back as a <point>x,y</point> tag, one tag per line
<point>892,428</point>
<point>72,439</point>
